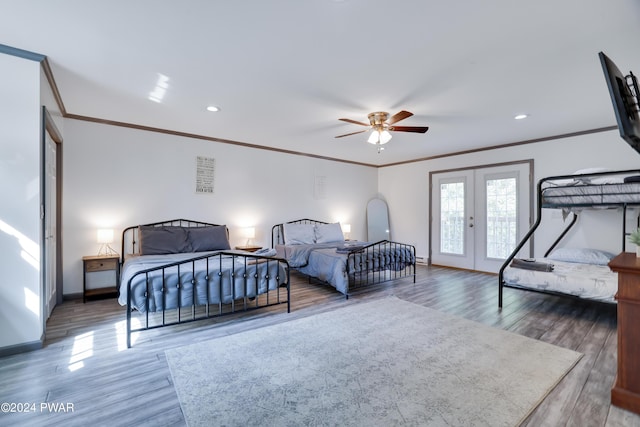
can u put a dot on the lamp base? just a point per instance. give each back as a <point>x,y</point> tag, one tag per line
<point>105,249</point>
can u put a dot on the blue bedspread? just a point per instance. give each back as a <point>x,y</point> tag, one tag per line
<point>213,278</point>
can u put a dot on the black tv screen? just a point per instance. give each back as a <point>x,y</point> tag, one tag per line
<point>624,96</point>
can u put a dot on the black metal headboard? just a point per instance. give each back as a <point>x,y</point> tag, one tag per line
<point>277,231</point>
<point>130,235</point>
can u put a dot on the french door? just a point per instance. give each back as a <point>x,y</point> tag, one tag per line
<point>479,215</point>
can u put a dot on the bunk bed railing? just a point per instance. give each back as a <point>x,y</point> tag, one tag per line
<point>523,241</point>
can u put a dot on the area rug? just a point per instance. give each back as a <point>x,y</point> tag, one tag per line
<point>382,363</point>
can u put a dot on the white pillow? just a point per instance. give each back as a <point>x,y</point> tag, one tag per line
<point>299,234</point>
<point>328,233</point>
<point>583,256</point>
<point>588,179</point>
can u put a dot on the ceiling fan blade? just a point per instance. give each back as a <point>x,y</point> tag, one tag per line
<point>352,133</point>
<point>399,116</point>
<point>416,129</point>
<point>355,122</point>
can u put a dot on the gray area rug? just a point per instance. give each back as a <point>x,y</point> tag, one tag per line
<point>382,363</point>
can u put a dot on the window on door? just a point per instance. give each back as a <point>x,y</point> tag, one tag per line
<point>502,217</point>
<point>452,220</point>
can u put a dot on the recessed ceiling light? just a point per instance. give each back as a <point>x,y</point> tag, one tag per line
<point>521,116</point>
<point>213,108</point>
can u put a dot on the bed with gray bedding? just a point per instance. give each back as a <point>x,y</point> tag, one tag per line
<point>179,271</point>
<point>319,250</point>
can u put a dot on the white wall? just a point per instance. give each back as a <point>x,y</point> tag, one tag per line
<point>116,177</point>
<point>20,289</point>
<point>409,210</point>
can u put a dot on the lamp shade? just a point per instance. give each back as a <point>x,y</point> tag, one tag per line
<point>385,136</point>
<point>346,228</point>
<point>105,235</point>
<point>249,232</point>
<point>374,137</point>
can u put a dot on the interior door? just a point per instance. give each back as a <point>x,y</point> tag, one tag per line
<point>479,215</point>
<point>50,221</point>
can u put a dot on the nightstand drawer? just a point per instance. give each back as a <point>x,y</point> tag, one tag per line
<point>101,265</point>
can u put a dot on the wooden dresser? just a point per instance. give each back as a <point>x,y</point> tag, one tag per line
<point>626,389</point>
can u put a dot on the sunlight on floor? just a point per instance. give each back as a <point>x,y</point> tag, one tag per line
<point>82,349</point>
<point>121,333</point>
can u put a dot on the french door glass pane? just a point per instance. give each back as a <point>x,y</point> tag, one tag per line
<point>452,218</point>
<point>501,217</point>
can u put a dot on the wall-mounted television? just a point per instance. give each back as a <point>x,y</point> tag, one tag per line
<point>624,96</point>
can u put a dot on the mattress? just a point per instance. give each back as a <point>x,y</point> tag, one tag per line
<point>591,195</point>
<point>589,281</point>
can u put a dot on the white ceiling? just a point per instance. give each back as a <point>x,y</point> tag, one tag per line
<point>284,71</point>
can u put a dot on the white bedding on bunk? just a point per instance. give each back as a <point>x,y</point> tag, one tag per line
<point>595,282</point>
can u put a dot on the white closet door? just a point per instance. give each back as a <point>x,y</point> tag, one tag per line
<point>50,226</point>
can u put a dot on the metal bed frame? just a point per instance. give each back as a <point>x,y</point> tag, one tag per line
<point>185,314</point>
<point>372,267</point>
<point>545,183</point>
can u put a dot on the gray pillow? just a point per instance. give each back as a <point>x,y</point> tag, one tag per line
<point>163,240</point>
<point>210,238</point>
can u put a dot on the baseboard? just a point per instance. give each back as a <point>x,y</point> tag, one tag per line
<point>71,297</point>
<point>21,348</point>
<point>422,260</point>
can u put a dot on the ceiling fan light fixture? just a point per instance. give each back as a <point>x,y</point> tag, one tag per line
<point>374,138</point>
<point>385,136</point>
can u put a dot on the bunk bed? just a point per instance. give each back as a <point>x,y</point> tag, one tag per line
<point>318,249</point>
<point>180,270</point>
<point>582,273</point>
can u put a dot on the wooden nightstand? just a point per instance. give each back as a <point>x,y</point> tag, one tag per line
<point>249,248</point>
<point>99,266</point>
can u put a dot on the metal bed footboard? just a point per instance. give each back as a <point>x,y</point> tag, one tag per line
<point>247,268</point>
<point>380,262</point>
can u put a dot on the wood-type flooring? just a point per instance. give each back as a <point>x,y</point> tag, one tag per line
<point>85,375</point>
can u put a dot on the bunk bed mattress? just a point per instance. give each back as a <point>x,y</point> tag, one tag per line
<point>591,195</point>
<point>220,280</point>
<point>589,281</point>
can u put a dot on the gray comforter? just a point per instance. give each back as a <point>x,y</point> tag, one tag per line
<point>214,279</point>
<point>330,263</point>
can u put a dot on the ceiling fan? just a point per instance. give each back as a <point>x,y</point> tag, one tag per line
<point>381,125</point>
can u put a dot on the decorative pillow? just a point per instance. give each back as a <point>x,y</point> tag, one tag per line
<point>299,234</point>
<point>328,233</point>
<point>209,238</point>
<point>163,240</point>
<point>583,256</point>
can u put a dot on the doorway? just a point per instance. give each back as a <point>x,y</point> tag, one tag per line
<point>51,208</point>
<point>478,215</point>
